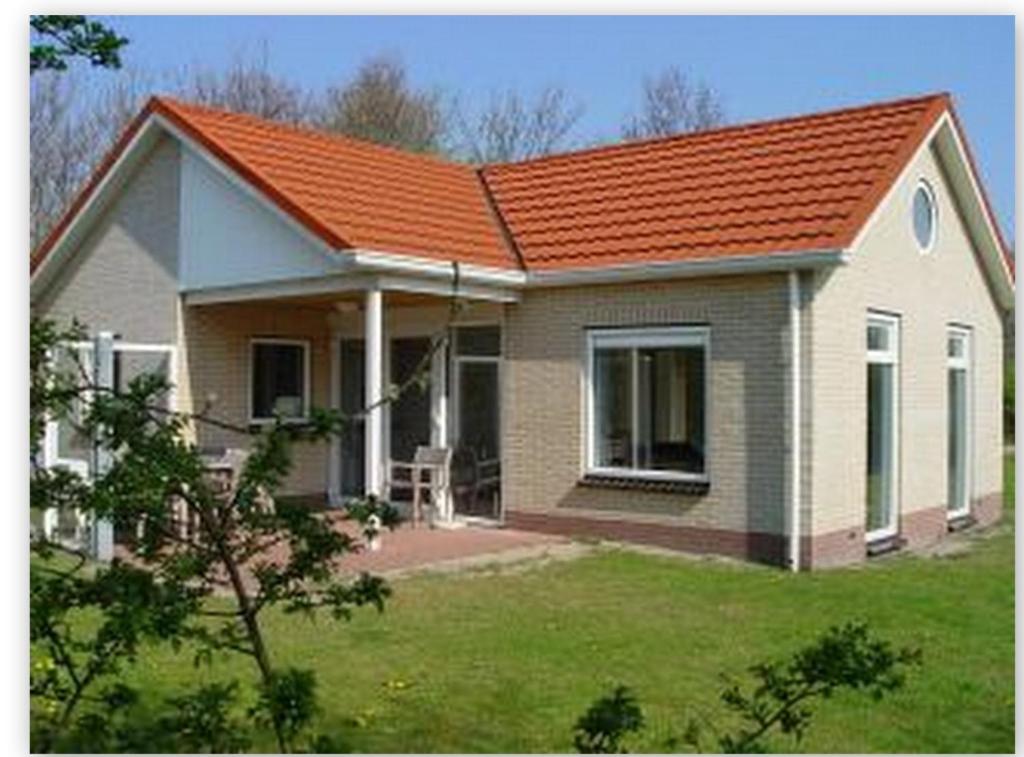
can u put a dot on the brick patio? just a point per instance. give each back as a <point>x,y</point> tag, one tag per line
<point>408,548</point>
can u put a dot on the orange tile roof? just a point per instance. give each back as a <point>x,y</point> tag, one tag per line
<point>354,194</point>
<point>790,185</point>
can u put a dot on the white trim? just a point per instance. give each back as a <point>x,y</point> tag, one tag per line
<point>889,356</point>
<point>760,263</point>
<point>306,379</point>
<point>391,262</point>
<point>963,363</point>
<point>923,185</point>
<point>373,334</point>
<point>795,421</point>
<point>634,338</point>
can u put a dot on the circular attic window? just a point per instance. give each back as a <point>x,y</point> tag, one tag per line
<point>925,216</point>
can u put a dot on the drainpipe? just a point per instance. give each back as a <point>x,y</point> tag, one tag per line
<point>794,421</point>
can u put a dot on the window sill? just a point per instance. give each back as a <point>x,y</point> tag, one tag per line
<point>639,483</point>
<point>885,545</point>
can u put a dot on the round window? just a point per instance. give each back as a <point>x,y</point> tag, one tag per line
<point>925,216</point>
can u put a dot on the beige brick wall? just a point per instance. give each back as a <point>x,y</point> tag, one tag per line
<point>217,340</point>
<point>543,438</point>
<point>123,277</point>
<point>887,272</point>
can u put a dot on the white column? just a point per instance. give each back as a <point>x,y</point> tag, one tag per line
<point>374,332</point>
<point>795,456</point>
<point>101,531</point>
<point>439,421</point>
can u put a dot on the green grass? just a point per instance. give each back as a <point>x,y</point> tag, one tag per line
<point>506,662</point>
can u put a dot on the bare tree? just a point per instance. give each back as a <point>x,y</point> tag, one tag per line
<point>247,86</point>
<point>70,129</point>
<point>512,128</point>
<point>379,105</point>
<point>672,105</point>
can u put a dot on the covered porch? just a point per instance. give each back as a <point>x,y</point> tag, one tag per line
<point>409,368</point>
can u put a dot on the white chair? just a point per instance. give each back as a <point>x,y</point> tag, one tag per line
<point>433,461</point>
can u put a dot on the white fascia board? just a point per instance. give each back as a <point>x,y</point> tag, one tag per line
<point>748,264</point>
<point>978,214</point>
<point>79,225</point>
<point>411,265</point>
<point>320,285</point>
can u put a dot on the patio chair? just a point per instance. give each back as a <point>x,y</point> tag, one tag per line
<point>473,477</point>
<point>432,461</point>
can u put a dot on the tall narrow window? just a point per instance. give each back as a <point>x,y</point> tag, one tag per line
<point>279,379</point>
<point>647,402</point>
<point>958,380</point>
<point>882,413</point>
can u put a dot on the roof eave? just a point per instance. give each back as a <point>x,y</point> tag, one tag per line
<point>771,262</point>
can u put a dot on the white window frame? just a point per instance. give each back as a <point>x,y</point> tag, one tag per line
<point>635,338</point>
<point>924,185</point>
<point>888,356</point>
<point>306,379</point>
<point>965,363</point>
<point>457,361</point>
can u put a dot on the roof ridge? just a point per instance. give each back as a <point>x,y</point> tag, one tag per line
<point>731,128</point>
<point>355,142</point>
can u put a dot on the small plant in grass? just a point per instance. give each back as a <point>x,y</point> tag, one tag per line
<point>844,657</point>
<point>602,728</point>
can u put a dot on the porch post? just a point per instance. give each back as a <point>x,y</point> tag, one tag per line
<point>374,334</point>
<point>439,420</point>
<point>101,530</point>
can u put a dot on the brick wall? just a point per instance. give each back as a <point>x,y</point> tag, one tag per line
<point>543,435</point>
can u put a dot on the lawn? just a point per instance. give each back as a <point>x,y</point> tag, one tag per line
<point>506,662</point>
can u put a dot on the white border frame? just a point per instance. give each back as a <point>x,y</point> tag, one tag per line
<point>635,337</point>
<point>890,356</point>
<point>966,364</point>
<point>306,379</point>
<point>923,185</point>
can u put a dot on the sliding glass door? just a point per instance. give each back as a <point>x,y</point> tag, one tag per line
<point>958,380</point>
<point>882,432</point>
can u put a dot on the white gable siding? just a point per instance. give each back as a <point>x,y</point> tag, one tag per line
<point>229,238</point>
<point>888,272</point>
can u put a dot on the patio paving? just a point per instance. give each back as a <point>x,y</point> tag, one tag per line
<point>408,549</point>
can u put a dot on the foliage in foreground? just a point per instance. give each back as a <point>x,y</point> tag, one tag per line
<point>844,657</point>
<point>88,622</point>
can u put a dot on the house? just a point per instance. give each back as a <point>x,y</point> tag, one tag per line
<point>780,340</point>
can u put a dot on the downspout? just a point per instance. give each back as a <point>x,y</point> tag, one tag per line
<point>794,421</point>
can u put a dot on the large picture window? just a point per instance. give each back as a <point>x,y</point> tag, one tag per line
<point>648,402</point>
<point>279,380</point>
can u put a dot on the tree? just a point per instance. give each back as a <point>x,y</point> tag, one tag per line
<point>379,105</point>
<point>61,38</point>
<point>512,128</point>
<point>248,86</point>
<point>602,727</point>
<point>672,105</point>
<point>213,540</point>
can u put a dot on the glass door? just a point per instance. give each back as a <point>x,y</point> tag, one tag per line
<point>882,507</point>
<point>476,463</point>
<point>958,353</point>
<point>353,401</point>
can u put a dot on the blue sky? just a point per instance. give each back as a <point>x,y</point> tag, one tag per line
<point>762,67</point>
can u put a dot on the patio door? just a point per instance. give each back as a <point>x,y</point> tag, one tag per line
<point>353,401</point>
<point>882,434</point>
<point>408,417</point>
<point>476,474</point>
<point>958,380</point>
